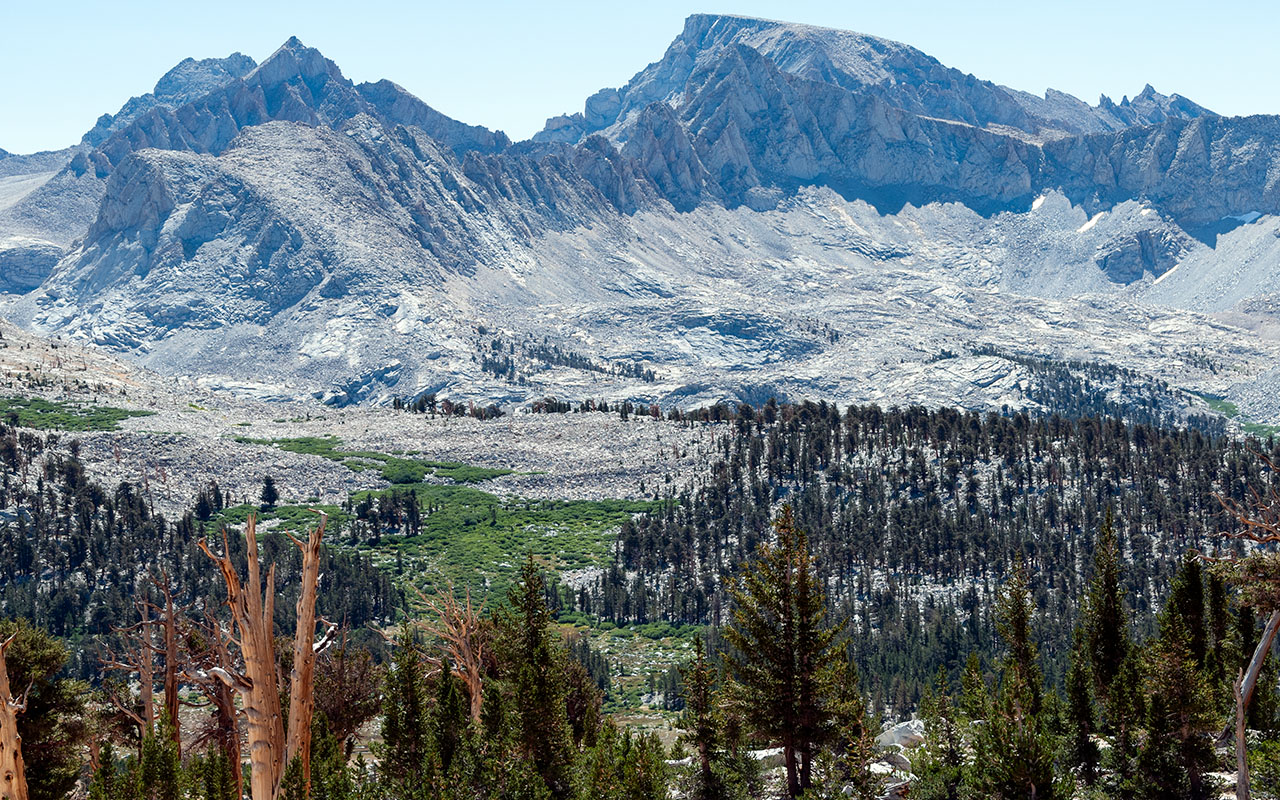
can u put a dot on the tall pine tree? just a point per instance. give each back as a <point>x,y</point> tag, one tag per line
<point>783,656</point>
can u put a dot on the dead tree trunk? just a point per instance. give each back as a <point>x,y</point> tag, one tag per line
<point>139,658</point>
<point>458,627</point>
<point>172,664</point>
<point>146,670</point>
<point>1259,521</point>
<point>13,777</point>
<point>303,677</point>
<point>1244,687</point>
<point>198,672</point>
<point>252,610</point>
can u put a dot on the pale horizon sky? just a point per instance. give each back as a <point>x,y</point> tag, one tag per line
<point>509,66</point>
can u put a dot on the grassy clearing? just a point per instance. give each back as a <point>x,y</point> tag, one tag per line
<point>1221,405</point>
<point>1230,410</point>
<point>46,415</point>
<point>294,519</point>
<point>393,469</point>
<point>475,539</point>
<point>468,537</point>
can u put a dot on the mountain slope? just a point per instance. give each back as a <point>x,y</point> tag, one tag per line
<point>189,80</point>
<point>764,230</point>
<point>899,75</point>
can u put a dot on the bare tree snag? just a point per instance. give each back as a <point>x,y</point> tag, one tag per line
<point>139,658</point>
<point>303,677</point>
<point>197,671</point>
<point>252,611</point>
<point>459,627</point>
<point>168,621</point>
<point>146,669</point>
<point>1244,687</point>
<point>1258,577</point>
<point>13,777</point>
<point>252,614</point>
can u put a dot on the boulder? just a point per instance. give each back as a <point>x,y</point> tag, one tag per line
<point>905,734</point>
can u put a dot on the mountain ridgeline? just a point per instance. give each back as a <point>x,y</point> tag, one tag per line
<point>356,234</point>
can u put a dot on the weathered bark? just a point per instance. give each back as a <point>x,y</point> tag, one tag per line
<point>13,777</point>
<point>458,626</point>
<point>303,675</point>
<point>1244,687</point>
<point>139,658</point>
<point>252,610</point>
<point>198,673</point>
<point>252,613</point>
<point>793,777</point>
<point>172,661</point>
<point>146,671</point>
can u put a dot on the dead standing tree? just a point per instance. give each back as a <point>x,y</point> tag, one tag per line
<point>459,627</point>
<point>140,658</point>
<point>213,653</point>
<point>1257,577</point>
<point>252,612</point>
<point>13,776</point>
<point>168,620</point>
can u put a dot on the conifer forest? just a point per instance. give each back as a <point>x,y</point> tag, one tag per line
<point>867,602</point>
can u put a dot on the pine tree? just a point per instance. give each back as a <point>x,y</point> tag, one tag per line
<point>449,718</point>
<point>1015,746</point>
<point>1158,773</point>
<point>1081,714</point>
<point>270,495</point>
<point>52,726</point>
<point>1014,611</point>
<point>537,660</point>
<point>1186,601</point>
<point>974,696</point>
<point>405,732</point>
<point>160,765</point>
<point>622,766</point>
<point>215,778</point>
<point>1128,714</point>
<point>1181,704</point>
<point>700,722</point>
<point>1108,626</point>
<point>783,655</point>
<point>939,763</point>
<point>103,785</point>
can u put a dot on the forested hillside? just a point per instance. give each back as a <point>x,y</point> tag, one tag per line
<point>77,554</point>
<point>917,516</point>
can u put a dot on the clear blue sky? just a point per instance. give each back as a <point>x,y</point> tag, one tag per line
<point>509,65</point>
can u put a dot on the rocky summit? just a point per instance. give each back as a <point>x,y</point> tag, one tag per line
<point>769,209</point>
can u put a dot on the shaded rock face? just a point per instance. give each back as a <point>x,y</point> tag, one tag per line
<point>291,211</point>
<point>25,263</point>
<point>1128,258</point>
<point>188,81</point>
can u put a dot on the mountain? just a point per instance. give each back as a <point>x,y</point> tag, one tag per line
<point>189,80</point>
<point>198,106</point>
<point>897,74</point>
<point>296,84</point>
<point>770,209</point>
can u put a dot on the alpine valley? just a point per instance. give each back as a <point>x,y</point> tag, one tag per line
<point>803,419</point>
